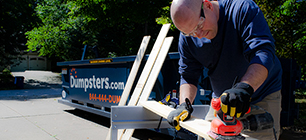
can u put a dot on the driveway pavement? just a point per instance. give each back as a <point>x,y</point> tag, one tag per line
<point>45,119</point>
<point>40,79</point>
<point>34,113</point>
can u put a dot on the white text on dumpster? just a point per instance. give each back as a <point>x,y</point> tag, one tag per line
<point>95,83</point>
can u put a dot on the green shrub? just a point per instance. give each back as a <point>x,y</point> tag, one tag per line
<point>7,80</point>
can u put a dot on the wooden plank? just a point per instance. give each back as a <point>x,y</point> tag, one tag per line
<point>147,68</point>
<point>134,70</point>
<point>149,65</point>
<point>195,125</point>
<point>133,73</point>
<point>156,69</point>
<point>152,78</point>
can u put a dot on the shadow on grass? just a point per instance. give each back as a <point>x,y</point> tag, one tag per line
<point>290,134</point>
<point>298,130</point>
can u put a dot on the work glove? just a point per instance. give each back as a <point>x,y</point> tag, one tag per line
<point>236,101</point>
<point>182,113</point>
<point>169,100</point>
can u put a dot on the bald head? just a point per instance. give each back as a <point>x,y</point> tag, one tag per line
<point>183,11</point>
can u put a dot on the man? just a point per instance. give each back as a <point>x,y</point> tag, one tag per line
<point>232,39</point>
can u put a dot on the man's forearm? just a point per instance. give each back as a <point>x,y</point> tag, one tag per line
<point>187,91</point>
<point>255,75</point>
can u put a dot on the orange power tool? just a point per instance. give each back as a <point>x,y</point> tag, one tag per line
<point>225,127</point>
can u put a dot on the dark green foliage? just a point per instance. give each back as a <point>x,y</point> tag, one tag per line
<point>6,80</point>
<point>116,27</point>
<point>17,17</point>
<point>287,22</point>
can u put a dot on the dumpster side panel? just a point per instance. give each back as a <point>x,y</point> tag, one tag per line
<point>101,86</point>
<point>98,86</point>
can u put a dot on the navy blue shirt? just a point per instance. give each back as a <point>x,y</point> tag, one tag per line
<point>243,38</point>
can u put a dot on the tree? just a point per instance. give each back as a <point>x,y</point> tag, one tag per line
<point>288,27</point>
<point>115,26</point>
<point>16,19</point>
<point>60,30</point>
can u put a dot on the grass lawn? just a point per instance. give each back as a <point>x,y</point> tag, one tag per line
<point>298,130</point>
<point>300,123</point>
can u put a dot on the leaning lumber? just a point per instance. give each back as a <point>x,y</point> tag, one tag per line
<point>133,73</point>
<point>149,65</point>
<point>156,69</point>
<point>134,70</point>
<point>147,69</point>
<point>152,78</point>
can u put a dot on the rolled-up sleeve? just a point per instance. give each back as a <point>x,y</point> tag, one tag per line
<point>258,42</point>
<point>265,58</point>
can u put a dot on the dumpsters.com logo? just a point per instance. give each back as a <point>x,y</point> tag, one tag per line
<point>93,82</point>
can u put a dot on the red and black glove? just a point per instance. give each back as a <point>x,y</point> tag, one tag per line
<point>236,101</point>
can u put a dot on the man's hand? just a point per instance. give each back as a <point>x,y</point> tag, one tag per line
<point>182,113</point>
<point>236,101</point>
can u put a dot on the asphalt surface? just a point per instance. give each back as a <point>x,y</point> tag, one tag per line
<point>33,113</point>
<point>40,79</point>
